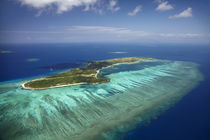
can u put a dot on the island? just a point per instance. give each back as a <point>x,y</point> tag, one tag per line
<point>136,93</point>
<point>83,75</point>
<point>32,59</point>
<point>4,51</point>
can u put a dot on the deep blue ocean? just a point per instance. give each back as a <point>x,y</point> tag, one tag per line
<point>189,119</point>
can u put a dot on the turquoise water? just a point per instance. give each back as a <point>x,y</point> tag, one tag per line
<point>136,93</point>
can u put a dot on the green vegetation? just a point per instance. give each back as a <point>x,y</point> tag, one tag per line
<point>86,75</point>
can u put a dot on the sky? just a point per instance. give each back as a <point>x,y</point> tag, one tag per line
<point>70,21</point>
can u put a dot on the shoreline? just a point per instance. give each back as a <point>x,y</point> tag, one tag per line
<point>74,84</point>
<point>96,76</point>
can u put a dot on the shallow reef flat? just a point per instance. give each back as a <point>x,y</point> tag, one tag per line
<point>136,93</point>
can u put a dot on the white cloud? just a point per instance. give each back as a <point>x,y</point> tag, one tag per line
<point>191,35</point>
<point>135,11</point>
<point>106,30</point>
<point>184,14</point>
<point>164,6</point>
<point>96,34</point>
<point>103,34</point>
<point>67,5</point>
<point>113,6</point>
<point>183,35</point>
<point>77,34</point>
<point>103,30</point>
<point>62,5</point>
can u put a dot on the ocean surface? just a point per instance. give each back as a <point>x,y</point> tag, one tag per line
<point>187,119</point>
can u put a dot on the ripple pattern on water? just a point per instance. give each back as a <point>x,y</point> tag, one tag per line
<point>135,93</point>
